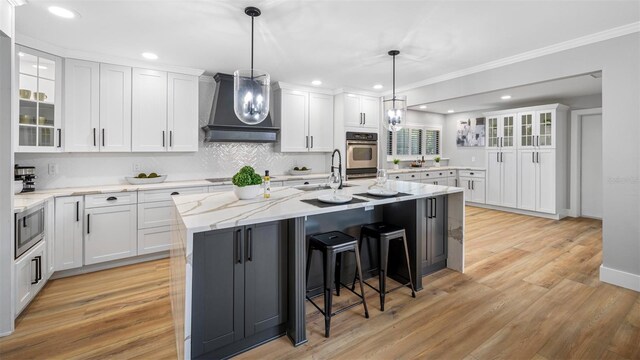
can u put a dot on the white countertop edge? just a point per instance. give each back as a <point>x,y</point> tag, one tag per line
<point>441,168</point>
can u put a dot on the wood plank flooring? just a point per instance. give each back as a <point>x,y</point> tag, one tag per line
<point>530,291</point>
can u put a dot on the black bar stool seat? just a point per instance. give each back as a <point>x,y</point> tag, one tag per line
<point>385,233</point>
<point>332,245</point>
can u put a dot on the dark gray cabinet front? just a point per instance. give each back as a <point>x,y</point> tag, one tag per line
<point>239,288</point>
<point>434,253</point>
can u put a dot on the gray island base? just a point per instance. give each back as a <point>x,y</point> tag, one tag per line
<point>238,266</point>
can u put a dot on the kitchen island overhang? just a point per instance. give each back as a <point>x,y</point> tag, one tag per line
<point>207,217</point>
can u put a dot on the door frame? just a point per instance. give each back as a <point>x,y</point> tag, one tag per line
<point>575,179</point>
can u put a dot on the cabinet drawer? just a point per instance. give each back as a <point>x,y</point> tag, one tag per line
<point>404,177</point>
<point>165,194</point>
<point>155,214</point>
<point>452,173</point>
<point>112,199</point>
<point>434,174</point>
<point>303,182</point>
<point>154,240</point>
<point>471,173</point>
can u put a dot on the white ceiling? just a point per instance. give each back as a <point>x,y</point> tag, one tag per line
<point>550,91</point>
<point>342,43</point>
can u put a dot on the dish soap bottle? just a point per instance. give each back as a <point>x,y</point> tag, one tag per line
<point>267,185</point>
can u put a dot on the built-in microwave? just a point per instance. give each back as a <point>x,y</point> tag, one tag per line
<point>29,228</point>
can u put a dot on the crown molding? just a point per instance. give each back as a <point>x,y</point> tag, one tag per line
<point>548,50</point>
<point>17,2</point>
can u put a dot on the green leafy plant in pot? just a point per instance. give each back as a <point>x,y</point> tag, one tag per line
<point>396,164</point>
<point>436,161</point>
<point>246,183</point>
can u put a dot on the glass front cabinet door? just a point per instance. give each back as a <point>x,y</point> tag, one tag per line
<point>493,138</point>
<point>39,90</point>
<point>526,132</point>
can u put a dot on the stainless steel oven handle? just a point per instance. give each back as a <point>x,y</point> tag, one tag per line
<point>362,142</point>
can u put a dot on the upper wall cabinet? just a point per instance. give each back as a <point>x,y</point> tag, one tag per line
<point>361,111</point>
<point>501,131</point>
<point>97,107</point>
<point>305,119</point>
<point>39,120</point>
<point>165,111</point>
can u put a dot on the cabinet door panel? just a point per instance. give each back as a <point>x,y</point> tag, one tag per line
<point>69,219</point>
<point>320,122</point>
<point>546,182</point>
<point>218,290</point>
<point>478,191</point>
<point>155,214</point>
<point>294,119</point>
<point>25,274</point>
<point>371,108</point>
<point>465,183</point>
<point>265,277</point>
<point>526,180</point>
<point>494,178</point>
<point>546,129</point>
<point>352,112</point>
<point>509,179</point>
<point>526,130</point>
<point>149,110</point>
<point>438,242</point>
<point>493,137</point>
<point>82,105</point>
<point>154,240</point>
<point>183,112</point>
<point>115,108</point>
<point>110,233</point>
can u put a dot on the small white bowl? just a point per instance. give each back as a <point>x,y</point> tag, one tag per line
<point>143,181</point>
<point>18,185</point>
<point>247,192</point>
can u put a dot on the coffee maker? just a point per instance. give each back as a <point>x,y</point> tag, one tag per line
<point>27,175</point>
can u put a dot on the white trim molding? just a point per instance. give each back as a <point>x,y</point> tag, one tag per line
<point>575,153</point>
<point>547,50</point>
<point>620,278</point>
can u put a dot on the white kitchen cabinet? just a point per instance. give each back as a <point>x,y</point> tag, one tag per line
<point>29,275</point>
<point>452,178</point>
<point>49,236</point>
<point>39,79</point>
<point>501,129</point>
<point>155,214</point>
<point>154,240</point>
<point>182,114</point>
<point>537,180</point>
<point>149,110</point>
<point>438,177</point>
<point>115,108</point>
<point>473,183</point>
<point>502,177</point>
<point>110,233</point>
<point>537,128</point>
<point>81,105</point>
<point>361,111</point>
<point>305,119</point>
<point>69,220</point>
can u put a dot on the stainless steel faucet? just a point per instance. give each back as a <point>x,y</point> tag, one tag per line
<point>339,165</point>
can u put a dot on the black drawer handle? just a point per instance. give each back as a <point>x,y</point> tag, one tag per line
<point>112,198</point>
<point>35,280</point>
<point>471,173</point>
<point>440,173</point>
<point>175,193</point>
<point>88,223</point>
<point>397,177</point>
<point>306,183</point>
<point>413,176</point>
<point>238,247</point>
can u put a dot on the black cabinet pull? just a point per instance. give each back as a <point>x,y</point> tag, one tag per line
<point>249,245</point>
<point>413,176</point>
<point>435,207</point>
<point>59,137</point>
<point>238,247</point>
<point>35,280</point>
<point>306,183</point>
<point>397,177</point>
<point>364,117</point>
<point>456,182</point>
<point>175,193</point>
<point>171,138</point>
<point>94,136</point>
<point>39,268</point>
<point>473,184</point>
<point>88,223</point>
<point>112,198</point>
<point>24,222</point>
<point>163,138</point>
<point>469,184</point>
<point>77,211</point>
<point>533,159</point>
<point>471,173</point>
<point>103,137</point>
<point>497,157</point>
<point>538,157</point>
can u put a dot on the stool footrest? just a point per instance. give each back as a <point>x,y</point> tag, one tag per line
<point>408,284</point>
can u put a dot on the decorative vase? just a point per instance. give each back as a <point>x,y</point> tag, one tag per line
<point>396,166</point>
<point>247,192</point>
<point>436,164</point>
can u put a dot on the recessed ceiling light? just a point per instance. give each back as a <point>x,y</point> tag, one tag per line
<point>505,97</point>
<point>149,56</point>
<point>450,111</point>
<point>378,86</point>
<point>40,67</point>
<point>62,12</point>
<point>423,106</point>
<point>316,82</point>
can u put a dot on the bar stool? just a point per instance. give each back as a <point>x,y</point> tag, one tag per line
<point>385,233</point>
<point>332,245</point>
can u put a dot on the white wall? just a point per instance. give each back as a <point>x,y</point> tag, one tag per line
<point>619,60</point>
<point>211,161</point>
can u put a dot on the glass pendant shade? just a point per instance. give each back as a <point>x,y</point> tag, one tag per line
<point>395,110</point>
<point>251,90</point>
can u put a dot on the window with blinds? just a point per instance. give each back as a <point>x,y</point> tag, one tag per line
<point>432,142</point>
<point>402,142</point>
<point>390,143</point>
<point>413,141</point>
<point>416,141</point>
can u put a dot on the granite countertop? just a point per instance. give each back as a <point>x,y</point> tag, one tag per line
<point>410,170</point>
<point>220,210</point>
<point>25,201</point>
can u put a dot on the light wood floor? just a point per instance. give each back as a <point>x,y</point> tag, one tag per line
<point>530,291</point>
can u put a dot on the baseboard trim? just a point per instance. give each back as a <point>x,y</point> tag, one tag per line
<point>6,333</point>
<point>516,211</point>
<point>620,278</point>
<point>109,265</point>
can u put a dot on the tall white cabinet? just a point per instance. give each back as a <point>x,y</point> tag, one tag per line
<point>69,225</point>
<point>526,158</point>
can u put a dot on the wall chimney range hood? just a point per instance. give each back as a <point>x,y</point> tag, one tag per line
<point>224,125</point>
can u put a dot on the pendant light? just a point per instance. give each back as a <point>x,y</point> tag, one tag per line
<point>251,88</point>
<point>395,107</point>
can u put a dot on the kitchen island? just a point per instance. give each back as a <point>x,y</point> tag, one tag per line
<point>238,266</point>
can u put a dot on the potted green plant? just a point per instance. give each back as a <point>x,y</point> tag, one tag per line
<point>436,161</point>
<point>246,183</point>
<point>396,164</point>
